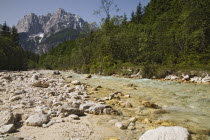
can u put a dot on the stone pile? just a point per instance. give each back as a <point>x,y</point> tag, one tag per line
<point>126,124</point>
<point>193,79</point>
<point>48,95</point>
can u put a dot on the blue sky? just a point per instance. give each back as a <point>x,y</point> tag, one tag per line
<point>13,10</point>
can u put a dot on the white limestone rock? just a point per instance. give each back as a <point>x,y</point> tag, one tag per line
<point>7,128</point>
<point>6,117</point>
<point>166,133</point>
<point>120,125</point>
<point>76,82</point>
<point>37,119</point>
<point>171,77</point>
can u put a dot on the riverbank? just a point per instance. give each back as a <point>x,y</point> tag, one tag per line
<point>183,101</point>
<point>119,108</point>
<point>188,78</point>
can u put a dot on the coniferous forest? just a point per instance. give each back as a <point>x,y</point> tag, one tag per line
<point>13,57</point>
<point>164,37</point>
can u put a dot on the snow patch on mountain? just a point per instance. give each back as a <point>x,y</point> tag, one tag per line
<point>41,37</point>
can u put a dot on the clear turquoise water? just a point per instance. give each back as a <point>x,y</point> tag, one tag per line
<point>188,104</point>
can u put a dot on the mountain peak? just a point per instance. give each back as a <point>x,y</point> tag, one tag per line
<point>50,23</point>
<point>31,14</point>
<point>43,26</point>
<point>30,24</point>
<point>60,10</point>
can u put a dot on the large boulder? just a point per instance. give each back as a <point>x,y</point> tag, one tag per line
<point>71,110</point>
<point>166,133</point>
<point>196,79</point>
<point>75,104</point>
<point>6,117</point>
<point>206,79</point>
<point>99,109</point>
<point>56,72</point>
<point>7,128</point>
<point>96,108</point>
<point>37,119</point>
<point>86,106</point>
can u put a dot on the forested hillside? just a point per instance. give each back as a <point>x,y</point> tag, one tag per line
<point>167,36</point>
<point>12,56</point>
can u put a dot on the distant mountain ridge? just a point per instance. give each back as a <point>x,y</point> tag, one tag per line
<point>36,30</point>
<point>50,23</point>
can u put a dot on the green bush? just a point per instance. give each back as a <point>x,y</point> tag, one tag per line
<point>85,69</point>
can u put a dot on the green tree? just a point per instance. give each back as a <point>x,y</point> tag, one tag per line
<point>106,7</point>
<point>133,17</point>
<point>14,35</point>
<point>124,21</point>
<point>139,13</point>
<point>5,30</point>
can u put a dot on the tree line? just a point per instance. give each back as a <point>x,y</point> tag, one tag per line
<point>12,56</point>
<point>164,37</point>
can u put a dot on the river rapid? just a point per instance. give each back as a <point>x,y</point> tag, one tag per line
<point>188,104</point>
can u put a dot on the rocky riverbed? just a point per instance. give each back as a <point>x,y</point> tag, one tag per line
<point>49,105</point>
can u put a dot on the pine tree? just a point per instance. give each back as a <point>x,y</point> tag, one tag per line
<point>124,22</point>
<point>14,36</point>
<point>133,17</point>
<point>139,13</point>
<point>5,30</point>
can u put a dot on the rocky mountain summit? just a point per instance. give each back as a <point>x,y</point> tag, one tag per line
<point>50,23</point>
<point>39,34</point>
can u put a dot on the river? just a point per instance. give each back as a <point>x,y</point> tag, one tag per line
<point>188,104</point>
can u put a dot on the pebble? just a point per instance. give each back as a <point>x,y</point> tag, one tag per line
<point>73,116</point>
<point>76,82</point>
<point>15,98</point>
<point>133,119</point>
<point>120,125</point>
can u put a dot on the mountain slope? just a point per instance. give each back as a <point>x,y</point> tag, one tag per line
<point>39,44</point>
<point>39,34</point>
